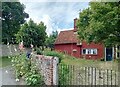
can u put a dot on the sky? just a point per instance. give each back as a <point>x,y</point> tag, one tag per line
<point>55,15</point>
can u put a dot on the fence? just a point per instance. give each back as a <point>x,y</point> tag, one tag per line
<point>76,75</point>
<point>61,74</point>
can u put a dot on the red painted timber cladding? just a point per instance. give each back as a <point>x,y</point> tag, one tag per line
<point>70,47</point>
<point>99,47</point>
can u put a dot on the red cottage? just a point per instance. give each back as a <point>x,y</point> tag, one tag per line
<point>68,42</point>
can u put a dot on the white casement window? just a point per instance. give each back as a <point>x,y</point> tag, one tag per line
<point>89,51</point>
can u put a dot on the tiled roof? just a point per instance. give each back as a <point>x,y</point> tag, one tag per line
<point>68,36</point>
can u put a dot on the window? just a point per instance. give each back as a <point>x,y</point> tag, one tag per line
<point>118,52</point>
<point>89,51</point>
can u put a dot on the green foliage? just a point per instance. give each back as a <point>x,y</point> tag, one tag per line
<point>39,51</point>
<point>5,61</point>
<point>20,64</point>
<point>33,77</point>
<point>54,54</point>
<point>100,23</point>
<point>32,33</point>
<point>26,68</point>
<point>13,15</point>
<point>63,74</point>
<point>51,39</point>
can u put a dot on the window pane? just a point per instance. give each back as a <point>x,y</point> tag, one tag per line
<point>92,51</point>
<point>95,51</point>
<point>84,51</point>
<point>87,51</point>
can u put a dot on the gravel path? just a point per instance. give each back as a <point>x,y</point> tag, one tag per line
<point>8,77</point>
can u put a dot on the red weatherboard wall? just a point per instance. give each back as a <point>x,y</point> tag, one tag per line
<point>99,47</point>
<point>70,47</point>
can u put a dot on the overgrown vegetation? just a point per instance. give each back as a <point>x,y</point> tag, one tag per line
<point>39,51</point>
<point>24,67</point>
<point>54,54</point>
<point>20,64</point>
<point>63,74</point>
<point>70,60</point>
<point>33,77</point>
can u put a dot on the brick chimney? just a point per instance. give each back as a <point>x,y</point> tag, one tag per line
<point>75,27</point>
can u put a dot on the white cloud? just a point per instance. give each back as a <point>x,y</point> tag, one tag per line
<point>48,22</point>
<point>57,0</point>
<point>55,15</point>
<point>63,29</point>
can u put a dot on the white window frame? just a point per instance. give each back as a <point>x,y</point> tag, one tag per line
<point>118,52</point>
<point>90,51</point>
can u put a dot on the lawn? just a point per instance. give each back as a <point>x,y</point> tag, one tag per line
<point>5,61</point>
<point>90,63</point>
<point>69,60</point>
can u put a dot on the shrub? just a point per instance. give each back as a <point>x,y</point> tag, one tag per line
<point>33,77</point>
<point>25,67</point>
<point>39,51</point>
<point>54,54</point>
<point>20,64</point>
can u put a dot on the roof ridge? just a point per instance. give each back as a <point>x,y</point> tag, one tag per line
<point>66,30</point>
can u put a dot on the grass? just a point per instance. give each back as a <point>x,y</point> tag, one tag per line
<point>5,61</point>
<point>90,63</point>
<point>69,60</point>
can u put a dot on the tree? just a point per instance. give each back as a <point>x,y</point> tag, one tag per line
<point>51,39</point>
<point>13,15</point>
<point>100,23</point>
<point>32,33</point>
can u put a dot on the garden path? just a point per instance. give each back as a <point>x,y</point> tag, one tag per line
<point>8,77</point>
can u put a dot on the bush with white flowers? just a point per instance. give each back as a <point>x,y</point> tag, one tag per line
<point>26,68</point>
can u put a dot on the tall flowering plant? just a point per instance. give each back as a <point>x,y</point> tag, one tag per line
<point>21,47</point>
